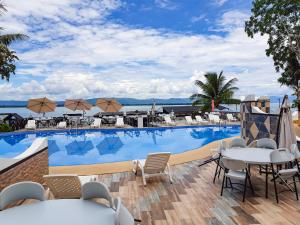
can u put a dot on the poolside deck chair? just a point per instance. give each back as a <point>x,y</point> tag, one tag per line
<point>96,123</point>
<point>190,121</point>
<point>168,120</point>
<point>120,122</point>
<point>66,186</point>
<point>156,164</point>
<point>214,118</point>
<point>200,120</point>
<point>230,118</point>
<point>62,125</point>
<point>31,125</point>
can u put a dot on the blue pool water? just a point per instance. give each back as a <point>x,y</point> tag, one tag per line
<point>113,145</point>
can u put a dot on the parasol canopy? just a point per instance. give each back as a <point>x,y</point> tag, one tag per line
<point>108,105</point>
<point>77,104</point>
<point>41,105</point>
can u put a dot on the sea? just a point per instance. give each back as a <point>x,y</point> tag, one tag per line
<point>24,112</point>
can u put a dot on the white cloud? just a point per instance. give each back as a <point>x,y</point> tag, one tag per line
<point>166,4</point>
<point>100,58</point>
<point>220,2</point>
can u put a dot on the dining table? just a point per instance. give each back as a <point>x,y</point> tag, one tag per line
<point>254,156</point>
<point>59,212</point>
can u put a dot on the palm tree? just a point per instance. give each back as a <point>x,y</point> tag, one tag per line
<point>8,57</point>
<point>215,88</point>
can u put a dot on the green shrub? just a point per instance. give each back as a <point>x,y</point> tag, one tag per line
<point>5,128</point>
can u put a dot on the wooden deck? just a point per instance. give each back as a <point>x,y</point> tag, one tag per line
<point>193,199</point>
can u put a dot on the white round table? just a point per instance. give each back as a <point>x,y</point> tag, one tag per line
<point>257,156</point>
<point>254,156</point>
<point>59,212</point>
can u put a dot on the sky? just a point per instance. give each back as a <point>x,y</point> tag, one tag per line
<point>133,48</point>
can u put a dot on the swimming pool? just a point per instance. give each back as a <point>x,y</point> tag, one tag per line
<point>82,147</point>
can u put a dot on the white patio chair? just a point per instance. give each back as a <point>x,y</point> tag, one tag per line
<point>95,189</point>
<point>168,120</point>
<point>62,125</point>
<point>236,170</point>
<point>279,157</point>
<point>65,186</point>
<point>21,191</point>
<point>156,164</point>
<point>190,121</point>
<point>96,123</point>
<point>230,117</point>
<point>122,216</point>
<point>200,120</point>
<point>31,125</point>
<point>213,118</point>
<point>266,143</point>
<point>120,122</point>
<point>238,143</point>
<point>216,156</point>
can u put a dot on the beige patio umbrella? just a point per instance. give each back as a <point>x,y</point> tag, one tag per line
<point>78,104</point>
<point>287,135</point>
<point>108,105</point>
<point>41,105</point>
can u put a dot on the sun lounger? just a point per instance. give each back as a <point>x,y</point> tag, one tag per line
<point>230,118</point>
<point>120,122</point>
<point>96,123</point>
<point>168,120</point>
<point>62,125</point>
<point>200,120</point>
<point>156,164</point>
<point>31,125</point>
<point>190,121</point>
<point>67,185</point>
<point>213,118</point>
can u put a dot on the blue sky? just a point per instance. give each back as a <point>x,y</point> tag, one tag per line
<point>140,48</point>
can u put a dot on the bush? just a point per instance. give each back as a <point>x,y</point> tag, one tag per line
<point>5,128</point>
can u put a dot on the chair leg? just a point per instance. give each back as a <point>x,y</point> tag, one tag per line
<point>250,183</point>
<point>217,167</point>
<point>295,186</point>
<point>245,188</point>
<point>274,181</point>
<point>224,177</point>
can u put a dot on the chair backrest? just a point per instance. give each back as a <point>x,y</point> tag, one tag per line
<point>238,143</point>
<point>37,145</point>
<point>280,156</point>
<point>20,191</point>
<point>97,122</point>
<point>120,121</point>
<point>156,162</point>
<point>168,119</point>
<point>94,189</point>
<point>122,216</point>
<point>188,119</point>
<point>31,123</point>
<point>64,185</point>
<point>198,118</point>
<point>295,151</point>
<point>229,116</point>
<point>266,143</point>
<point>234,165</point>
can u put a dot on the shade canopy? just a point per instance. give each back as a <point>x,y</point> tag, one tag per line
<point>77,104</point>
<point>108,105</point>
<point>41,105</point>
<point>287,135</point>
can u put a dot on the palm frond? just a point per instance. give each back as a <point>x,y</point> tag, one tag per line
<point>7,39</point>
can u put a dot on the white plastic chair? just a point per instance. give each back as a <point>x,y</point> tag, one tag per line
<point>190,121</point>
<point>230,117</point>
<point>156,164</point>
<point>62,125</point>
<point>120,122</point>
<point>213,118</point>
<point>66,186</point>
<point>216,156</point>
<point>200,120</point>
<point>31,125</point>
<point>122,216</point>
<point>279,157</point>
<point>266,143</point>
<point>238,143</point>
<point>96,123</point>
<point>168,120</point>
<point>21,191</point>
<point>94,189</point>
<point>237,170</point>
